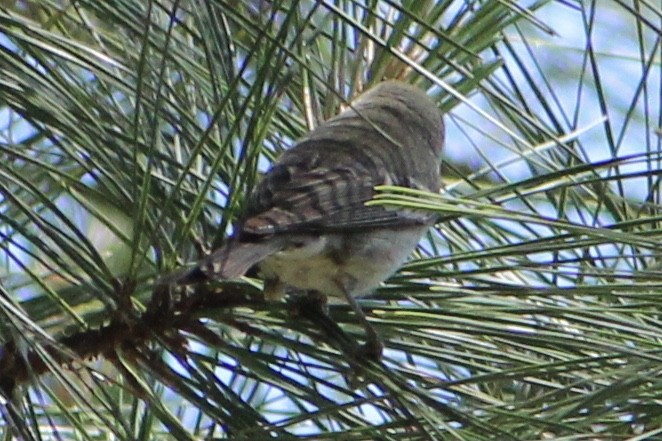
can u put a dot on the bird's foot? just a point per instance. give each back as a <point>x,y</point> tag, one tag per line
<point>371,350</point>
<point>310,304</point>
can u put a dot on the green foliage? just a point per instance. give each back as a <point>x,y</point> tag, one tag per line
<point>132,130</point>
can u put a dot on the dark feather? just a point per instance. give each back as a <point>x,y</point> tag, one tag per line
<point>235,258</point>
<point>232,260</point>
<point>322,200</point>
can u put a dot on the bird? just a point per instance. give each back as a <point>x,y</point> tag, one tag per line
<point>306,226</point>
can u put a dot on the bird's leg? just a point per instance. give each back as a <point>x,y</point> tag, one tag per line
<point>313,305</point>
<point>309,303</point>
<point>373,347</point>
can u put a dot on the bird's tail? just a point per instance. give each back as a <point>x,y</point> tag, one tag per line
<point>230,261</point>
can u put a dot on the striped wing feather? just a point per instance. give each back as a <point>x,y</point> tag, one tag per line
<point>323,200</point>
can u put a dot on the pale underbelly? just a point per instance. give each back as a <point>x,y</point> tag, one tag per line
<point>356,263</point>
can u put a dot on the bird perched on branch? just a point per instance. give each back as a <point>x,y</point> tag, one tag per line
<point>306,226</point>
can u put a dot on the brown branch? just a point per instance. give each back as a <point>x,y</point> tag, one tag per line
<point>163,320</point>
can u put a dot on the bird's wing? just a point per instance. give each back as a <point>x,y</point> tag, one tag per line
<point>231,260</point>
<point>324,199</point>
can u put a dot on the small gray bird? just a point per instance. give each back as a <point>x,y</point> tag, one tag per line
<point>306,225</point>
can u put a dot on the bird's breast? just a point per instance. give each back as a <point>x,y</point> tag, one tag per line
<point>332,263</point>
